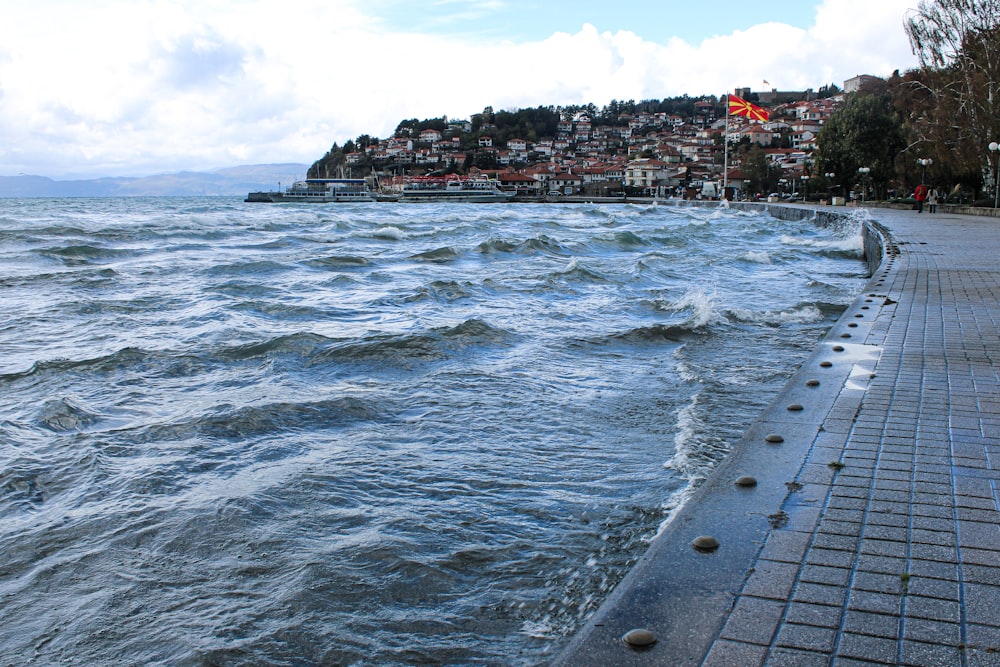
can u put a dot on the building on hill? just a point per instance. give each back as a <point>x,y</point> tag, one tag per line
<point>758,134</point>
<point>855,83</point>
<point>517,182</point>
<point>704,112</point>
<point>565,182</point>
<point>775,96</point>
<point>687,147</point>
<point>645,173</point>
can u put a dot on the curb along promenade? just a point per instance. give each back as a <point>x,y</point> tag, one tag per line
<point>856,522</point>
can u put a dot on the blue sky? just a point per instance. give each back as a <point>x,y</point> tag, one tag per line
<point>137,87</point>
<point>526,20</point>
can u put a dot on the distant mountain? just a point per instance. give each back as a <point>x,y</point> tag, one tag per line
<point>228,182</point>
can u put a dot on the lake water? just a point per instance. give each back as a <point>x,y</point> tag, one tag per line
<point>382,434</point>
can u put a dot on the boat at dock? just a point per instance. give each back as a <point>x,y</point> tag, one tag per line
<point>318,190</point>
<point>453,188</point>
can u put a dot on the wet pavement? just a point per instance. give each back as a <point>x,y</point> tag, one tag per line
<point>857,521</point>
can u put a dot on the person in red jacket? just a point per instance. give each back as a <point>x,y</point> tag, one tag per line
<point>921,194</point>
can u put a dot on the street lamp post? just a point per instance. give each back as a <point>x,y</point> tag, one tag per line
<point>995,147</point>
<point>924,162</point>
<point>864,181</point>
<point>829,177</point>
<point>805,187</point>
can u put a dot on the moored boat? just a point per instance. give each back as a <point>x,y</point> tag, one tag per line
<point>318,190</point>
<point>453,188</point>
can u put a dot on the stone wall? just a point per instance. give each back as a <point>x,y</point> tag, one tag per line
<point>876,238</point>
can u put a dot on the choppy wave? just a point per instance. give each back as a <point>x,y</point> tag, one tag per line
<point>338,262</point>
<point>304,344</point>
<point>435,344</point>
<point>73,255</point>
<point>255,421</point>
<point>851,246</point>
<point>66,414</point>
<point>437,255</point>
<point>498,245</point>
<point>389,233</point>
<point>577,271</point>
<point>247,434</point>
<point>803,314</point>
<point>673,333</point>
<point>760,257</point>
<point>702,307</point>
<point>98,365</point>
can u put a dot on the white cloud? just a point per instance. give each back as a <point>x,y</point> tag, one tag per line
<point>115,87</point>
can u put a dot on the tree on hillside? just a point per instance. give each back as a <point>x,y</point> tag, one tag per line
<point>334,163</point>
<point>528,124</point>
<point>953,101</point>
<point>828,91</point>
<point>864,132</point>
<point>480,119</point>
<point>413,127</point>
<point>763,175</point>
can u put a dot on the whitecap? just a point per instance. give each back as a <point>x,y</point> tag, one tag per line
<point>837,244</point>
<point>391,233</point>
<point>702,306</point>
<point>806,314</point>
<point>760,257</point>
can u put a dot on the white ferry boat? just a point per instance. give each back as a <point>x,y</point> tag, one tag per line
<point>318,190</point>
<point>453,188</point>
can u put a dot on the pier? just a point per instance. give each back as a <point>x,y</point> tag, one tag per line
<point>856,522</point>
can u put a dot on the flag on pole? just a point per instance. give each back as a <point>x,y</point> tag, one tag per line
<point>740,107</point>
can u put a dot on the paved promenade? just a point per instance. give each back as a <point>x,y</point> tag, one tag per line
<point>857,522</point>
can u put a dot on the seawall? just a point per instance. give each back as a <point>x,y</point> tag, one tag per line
<point>743,499</point>
<point>875,237</point>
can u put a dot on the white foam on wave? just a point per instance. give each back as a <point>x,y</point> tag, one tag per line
<point>758,257</point>
<point>851,243</point>
<point>389,232</point>
<point>671,506</point>
<point>849,235</point>
<point>685,372</point>
<point>803,315</point>
<point>699,215</point>
<point>686,443</point>
<point>688,425</point>
<point>540,629</point>
<point>703,307</point>
<point>572,266</point>
<point>860,216</point>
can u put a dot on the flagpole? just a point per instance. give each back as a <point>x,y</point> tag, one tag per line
<point>725,143</point>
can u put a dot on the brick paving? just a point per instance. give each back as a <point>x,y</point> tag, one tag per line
<point>883,547</point>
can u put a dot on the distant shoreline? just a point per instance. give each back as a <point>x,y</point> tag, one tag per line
<point>225,182</point>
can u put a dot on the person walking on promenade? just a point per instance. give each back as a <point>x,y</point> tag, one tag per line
<point>921,194</point>
<point>932,200</point>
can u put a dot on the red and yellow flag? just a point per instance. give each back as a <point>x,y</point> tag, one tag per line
<point>740,107</point>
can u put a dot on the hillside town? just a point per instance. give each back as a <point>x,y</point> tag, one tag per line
<point>656,154</point>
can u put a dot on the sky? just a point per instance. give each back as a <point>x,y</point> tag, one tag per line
<point>133,88</point>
